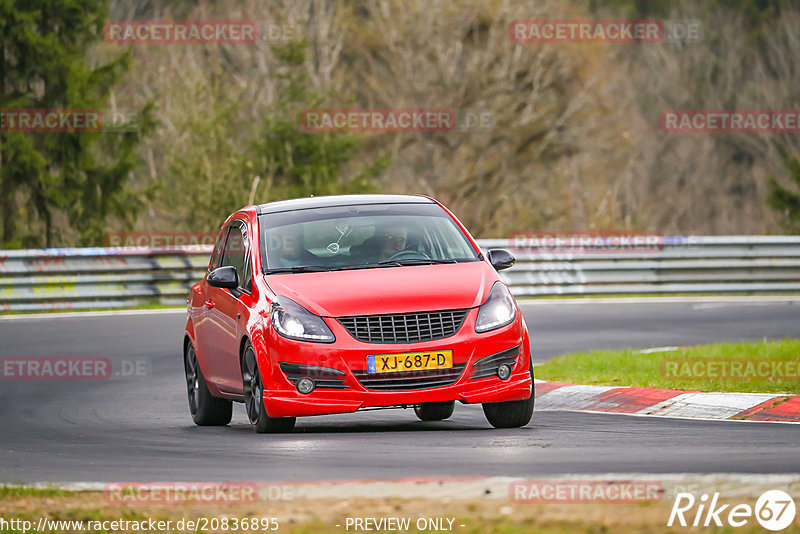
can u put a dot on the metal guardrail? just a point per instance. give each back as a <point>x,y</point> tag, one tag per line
<point>701,264</point>
<point>74,278</point>
<point>117,277</point>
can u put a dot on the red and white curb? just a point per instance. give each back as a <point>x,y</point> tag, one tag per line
<point>668,402</point>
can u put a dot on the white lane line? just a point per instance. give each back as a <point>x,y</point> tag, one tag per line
<point>522,302</point>
<point>715,305</point>
<point>108,313</point>
<point>661,349</point>
<point>747,299</point>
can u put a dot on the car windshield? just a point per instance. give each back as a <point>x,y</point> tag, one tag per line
<point>358,237</point>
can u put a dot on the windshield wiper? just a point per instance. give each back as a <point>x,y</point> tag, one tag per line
<point>384,263</point>
<point>298,269</point>
<point>415,261</point>
<point>366,266</point>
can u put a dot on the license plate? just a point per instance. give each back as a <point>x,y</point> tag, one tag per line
<point>410,361</point>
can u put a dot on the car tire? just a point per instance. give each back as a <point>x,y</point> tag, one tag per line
<point>254,397</point>
<point>435,411</point>
<point>511,414</point>
<point>206,409</point>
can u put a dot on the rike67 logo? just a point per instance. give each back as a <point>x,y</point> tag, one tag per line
<point>774,510</point>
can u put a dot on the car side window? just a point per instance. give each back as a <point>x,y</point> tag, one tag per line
<point>216,256</point>
<point>237,255</point>
<point>246,279</point>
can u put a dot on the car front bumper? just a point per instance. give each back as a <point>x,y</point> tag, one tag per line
<point>347,355</point>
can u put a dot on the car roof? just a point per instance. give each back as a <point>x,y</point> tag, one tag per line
<point>339,200</point>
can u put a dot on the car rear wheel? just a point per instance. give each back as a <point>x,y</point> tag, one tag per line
<point>435,411</point>
<point>510,414</point>
<point>254,397</point>
<point>206,410</point>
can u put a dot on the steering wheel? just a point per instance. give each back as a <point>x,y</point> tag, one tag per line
<point>408,255</point>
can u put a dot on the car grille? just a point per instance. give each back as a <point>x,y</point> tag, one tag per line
<point>410,380</point>
<point>404,327</point>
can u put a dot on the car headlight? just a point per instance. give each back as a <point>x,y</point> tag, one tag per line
<point>498,310</point>
<point>295,322</point>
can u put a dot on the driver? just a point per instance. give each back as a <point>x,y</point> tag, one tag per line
<point>391,240</point>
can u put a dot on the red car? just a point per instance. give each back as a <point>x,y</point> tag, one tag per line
<point>336,304</point>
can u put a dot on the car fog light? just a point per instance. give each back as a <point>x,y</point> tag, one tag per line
<point>305,386</point>
<point>503,372</point>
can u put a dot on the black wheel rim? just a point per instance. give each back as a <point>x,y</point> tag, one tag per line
<point>192,379</point>
<point>253,388</point>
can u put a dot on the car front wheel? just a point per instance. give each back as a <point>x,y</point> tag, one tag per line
<point>254,397</point>
<point>510,414</point>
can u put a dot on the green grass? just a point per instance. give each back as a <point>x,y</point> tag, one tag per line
<point>32,491</point>
<point>669,369</point>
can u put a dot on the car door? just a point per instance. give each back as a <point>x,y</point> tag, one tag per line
<point>206,326</point>
<point>220,332</point>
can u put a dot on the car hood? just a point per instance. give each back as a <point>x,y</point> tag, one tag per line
<point>388,289</point>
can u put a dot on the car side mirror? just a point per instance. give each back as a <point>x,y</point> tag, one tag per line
<point>501,259</point>
<point>223,277</point>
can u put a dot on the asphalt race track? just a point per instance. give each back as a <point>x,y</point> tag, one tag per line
<point>139,428</point>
